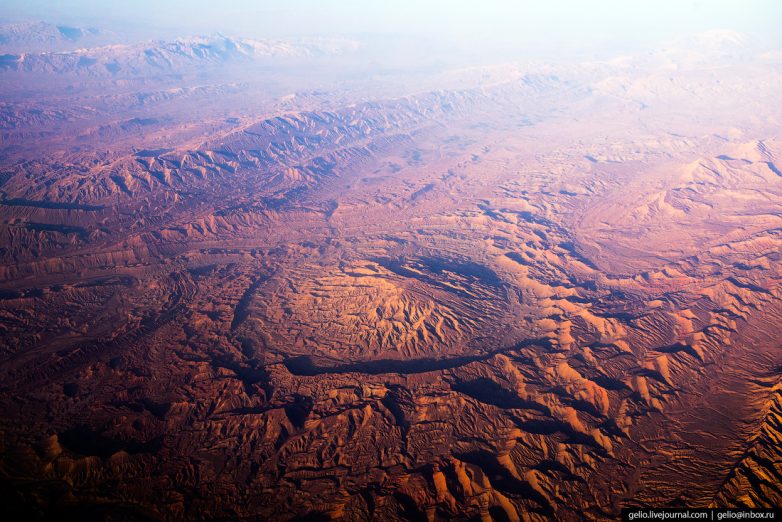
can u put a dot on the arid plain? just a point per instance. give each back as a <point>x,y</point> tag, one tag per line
<point>232,288</point>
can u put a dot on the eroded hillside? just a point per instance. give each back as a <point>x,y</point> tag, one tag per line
<point>533,295</point>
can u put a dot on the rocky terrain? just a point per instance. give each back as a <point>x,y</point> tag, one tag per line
<point>533,292</point>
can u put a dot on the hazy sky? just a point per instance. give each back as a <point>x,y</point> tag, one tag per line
<point>565,24</point>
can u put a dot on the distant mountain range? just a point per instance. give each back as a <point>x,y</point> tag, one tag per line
<point>47,48</point>
<point>42,36</point>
